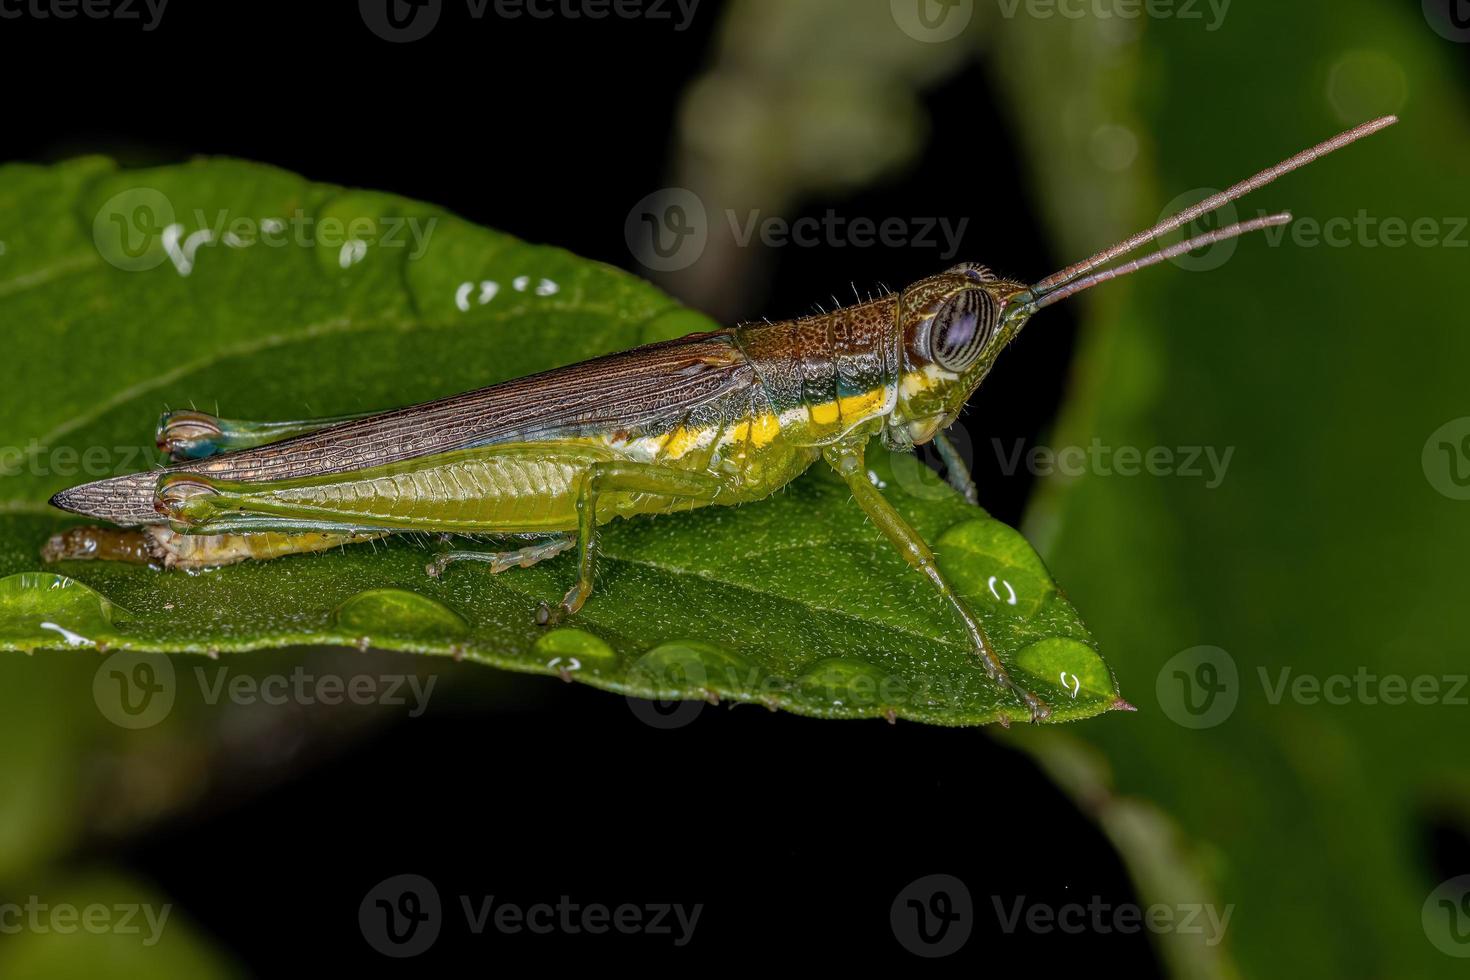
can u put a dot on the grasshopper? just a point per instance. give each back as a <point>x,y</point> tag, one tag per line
<point>723,417</point>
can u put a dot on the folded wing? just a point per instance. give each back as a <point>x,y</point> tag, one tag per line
<point>633,390</point>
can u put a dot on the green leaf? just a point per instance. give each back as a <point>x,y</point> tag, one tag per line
<point>794,602</point>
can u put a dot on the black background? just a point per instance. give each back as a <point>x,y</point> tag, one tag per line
<point>796,835</point>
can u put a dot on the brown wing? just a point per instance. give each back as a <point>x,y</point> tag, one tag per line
<point>632,390</point>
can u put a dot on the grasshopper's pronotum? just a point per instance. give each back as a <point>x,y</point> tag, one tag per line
<point>714,418</point>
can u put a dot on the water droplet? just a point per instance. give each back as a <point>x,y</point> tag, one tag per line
<point>351,253</point>
<point>357,228</point>
<point>1070,665</point>
<point>694,669</point>
<point>853,685</point>
<point>398,614</point>
<point>44,610</point>
<point>568,651</point>
<point>994,566</point>
<point>1003,590</point>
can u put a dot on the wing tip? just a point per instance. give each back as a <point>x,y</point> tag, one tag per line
<point>124,500</point>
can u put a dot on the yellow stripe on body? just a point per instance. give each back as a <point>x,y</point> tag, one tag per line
<point>753,432</point>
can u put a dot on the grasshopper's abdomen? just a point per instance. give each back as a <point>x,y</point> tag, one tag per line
<point>827,375</point>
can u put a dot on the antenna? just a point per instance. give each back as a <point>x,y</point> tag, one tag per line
<point>1045,292</point>
<point>1154,258</point>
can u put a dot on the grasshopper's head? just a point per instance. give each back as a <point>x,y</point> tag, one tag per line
<point>953,326</point>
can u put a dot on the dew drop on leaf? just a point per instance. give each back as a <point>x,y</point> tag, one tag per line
<point>398,613</point>
<point>40,609</point>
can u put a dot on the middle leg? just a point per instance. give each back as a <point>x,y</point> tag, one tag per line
<point>614,477</point>
<point>499,561</point>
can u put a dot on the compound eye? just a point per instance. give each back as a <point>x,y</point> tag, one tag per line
<point>961,328</point>
<point>974,270</point>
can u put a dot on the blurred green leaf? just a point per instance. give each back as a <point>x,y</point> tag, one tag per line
<point>100,925</point>
<point>1329,552</point>
<point>795,602</point>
